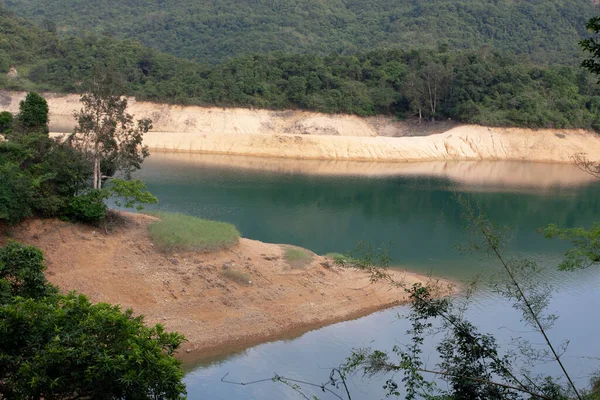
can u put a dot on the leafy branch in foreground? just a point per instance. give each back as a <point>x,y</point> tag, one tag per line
<point>470,361</point>
<point>55,346</point>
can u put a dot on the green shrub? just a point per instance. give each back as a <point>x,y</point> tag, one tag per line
<point>65,347</point>
<point>6,122</point>
<point>179,232</point>
<point>88,207</point>
<point>297,257</point>
<point>130,193</point>
<point>16,190</point>
<point>236,276</point>
<point>33,113</point>
<point>22,271</point>
<point>340,259</point>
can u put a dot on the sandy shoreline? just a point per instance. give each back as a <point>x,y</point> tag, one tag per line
<point>463,143</point>
<point>295,134</point>
<point>188,292</point>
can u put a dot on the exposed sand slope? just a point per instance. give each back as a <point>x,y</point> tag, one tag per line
<point>188,293</point>
<point>308,135</point>
<point>460,143</point>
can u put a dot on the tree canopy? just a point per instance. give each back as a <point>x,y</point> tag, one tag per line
<point>481,87</point>
<point>542,30</point>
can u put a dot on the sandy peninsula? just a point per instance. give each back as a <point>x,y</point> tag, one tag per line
<point>188,292</point>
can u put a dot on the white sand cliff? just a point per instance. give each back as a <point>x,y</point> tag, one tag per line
<point>309,135</point>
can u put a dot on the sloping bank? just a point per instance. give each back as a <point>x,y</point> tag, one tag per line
<point>222,301</point>
<point>466,143</point>
<point>308,135</point>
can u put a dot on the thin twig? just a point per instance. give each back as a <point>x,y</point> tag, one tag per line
<point>322,386</point>
<point>494,247</point>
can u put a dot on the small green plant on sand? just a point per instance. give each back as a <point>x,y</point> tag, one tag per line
<point>236,276</point>
<point>297,257</point>
<point>341,259</point>
<point>180,232</point>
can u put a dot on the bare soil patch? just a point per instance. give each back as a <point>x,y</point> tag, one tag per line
<point>205,296</point>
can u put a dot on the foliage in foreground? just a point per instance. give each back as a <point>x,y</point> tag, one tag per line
<point>472,363</point>
<point>180,232</point>
<point>56,346</point>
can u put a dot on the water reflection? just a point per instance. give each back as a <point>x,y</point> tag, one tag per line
<point>415,209</point>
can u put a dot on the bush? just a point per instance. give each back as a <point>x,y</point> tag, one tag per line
<point>236,276</point>
<point>6,122</point>
<point>179,232</point>
<point>33,113</point>
<point>340,259</point>
<point>297,257</point>
<point>16,190</point>
<point>65,347</point>
<point>88,207</point>
<point>22,271</point>
<point>130,193</point>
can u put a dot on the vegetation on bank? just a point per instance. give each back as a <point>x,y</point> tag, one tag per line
<point>61,178</point>
<point>236,276</point>
<point>56,346</point>
<point>480,87</point>
<point>297,257</point>
<point>343,260</point>
<point>542,30</point>
<point>180,232</point>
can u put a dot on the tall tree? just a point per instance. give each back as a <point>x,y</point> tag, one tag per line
<point>33,113</point>
<point>106,131</point>
<point>414,90</point>
<point>436,79</point>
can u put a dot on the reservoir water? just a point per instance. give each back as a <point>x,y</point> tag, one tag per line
<point>331,207</point>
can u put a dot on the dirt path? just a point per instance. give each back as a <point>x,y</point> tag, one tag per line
<point>189,293</point>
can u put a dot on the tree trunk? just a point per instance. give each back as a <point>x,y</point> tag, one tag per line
<point>97,172</point>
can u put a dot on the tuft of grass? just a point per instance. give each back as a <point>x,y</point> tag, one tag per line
<point>297,257</point>
<point>180,232</point>
<point>340,259</point>
<point>236,276</point>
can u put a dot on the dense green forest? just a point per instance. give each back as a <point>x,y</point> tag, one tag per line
<point>210,31</point>
<point>483,87</point>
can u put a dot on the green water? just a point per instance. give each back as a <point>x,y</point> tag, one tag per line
<point>418,215</point>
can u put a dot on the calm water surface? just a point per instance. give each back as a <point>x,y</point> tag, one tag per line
<point>418,215</point>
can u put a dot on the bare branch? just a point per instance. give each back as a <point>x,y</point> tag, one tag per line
<point>583,163</point>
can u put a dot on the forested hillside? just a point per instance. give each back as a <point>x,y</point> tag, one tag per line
<point>212,30</point>
<point>481,87</point>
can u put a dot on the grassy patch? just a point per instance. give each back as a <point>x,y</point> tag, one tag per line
<point>340,259</point>
<point>297,257</point>
<point>179,232</point>
<point>236,276</point>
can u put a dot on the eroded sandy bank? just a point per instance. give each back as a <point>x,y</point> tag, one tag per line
<point>309,135</point>
<point>189,293</point>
